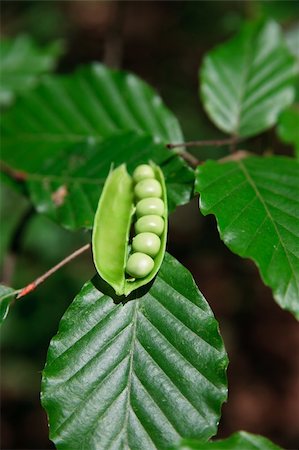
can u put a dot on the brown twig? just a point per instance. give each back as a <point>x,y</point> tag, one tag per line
<point>31,286</point>
<point>17,175</point>
<point>190,159</point>
<point>216,142</point>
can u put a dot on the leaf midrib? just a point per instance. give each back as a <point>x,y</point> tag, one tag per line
<point>268,213</point>
<point>244,85</point>
<point>130,375</point>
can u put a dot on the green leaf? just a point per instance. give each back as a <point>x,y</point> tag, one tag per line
<point>67,186</point>
<point>66,134</point>
<point>6,296</point>
<point>140,374</point>
<point>288,127</point>
<point>255,201</point>
<point>247,82</point>
<point>237,441</point>
<point>89,105</point>
<point>22,63</point>
<point>292,40</point>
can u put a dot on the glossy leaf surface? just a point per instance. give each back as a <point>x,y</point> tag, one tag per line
<point>247,81</point>
<point>237,441</point>
<point>89,105</point>
<point>67,186</point>
<point>142,374</point>
<point>22,63</point>
<point>288,127</point>
<point>65,147</point>
<point>256,204</point>
<point>6,296</point>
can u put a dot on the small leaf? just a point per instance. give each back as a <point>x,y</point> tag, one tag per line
<point>6,296</point>
<point>288,127</point>
<point>248,81</point>
<point>137,375</point>
<point>22,63</point>
<point>67,186</point>
<point>256,203</point>
<point>237,441</point>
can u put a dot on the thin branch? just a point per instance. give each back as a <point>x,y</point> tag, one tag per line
<point>31,286</point>
<point>190,159</point>
<point>216,142</point>
<point>17,175</point>
<point>237,156</point>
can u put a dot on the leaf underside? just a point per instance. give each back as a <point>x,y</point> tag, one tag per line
<point>137,375</point>
<point>247,81</point>
<point>256,204</point>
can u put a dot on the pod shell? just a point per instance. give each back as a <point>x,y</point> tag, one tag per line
<point>113,219</point>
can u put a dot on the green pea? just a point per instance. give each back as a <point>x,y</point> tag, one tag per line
<point>150,205</point>
<point>148,243</point>
<point>139,265</point>
<point>148,188</point>
<point>142,172</point>
<point>151,224</point>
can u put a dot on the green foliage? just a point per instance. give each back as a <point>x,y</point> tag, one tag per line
<point>237,441</point>
<point>255,202</point>
<point>87,106</point>
<point>145,371</point>
<point>67,185</point>
<point>140,374</point>
<point>248,81</point>
<point>71,144</point>
<point>22,64</point>
<point>288,127</point>
<point>6,296</point>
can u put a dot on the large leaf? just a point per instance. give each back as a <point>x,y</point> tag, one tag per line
<point>288,126</point>
<point>137,375</point>
<point>22,63</point>
<point>67,185</point>
<point>89,105</point>
<point>256,203</point>
<point>237,441</point>
<point>247,82</point>
<point>66,134</point>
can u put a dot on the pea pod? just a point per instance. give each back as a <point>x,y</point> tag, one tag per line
<point>114,218</point>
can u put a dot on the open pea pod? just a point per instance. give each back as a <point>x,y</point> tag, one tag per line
<point>111,232</point>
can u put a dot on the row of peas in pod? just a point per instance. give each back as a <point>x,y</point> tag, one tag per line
<point>149,225</point>
<point>139,200</point>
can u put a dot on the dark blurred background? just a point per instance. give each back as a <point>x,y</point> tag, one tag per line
<point>164,43</point>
